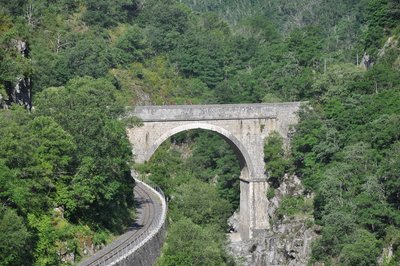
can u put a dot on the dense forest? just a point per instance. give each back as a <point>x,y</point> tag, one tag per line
<point>68,68</point>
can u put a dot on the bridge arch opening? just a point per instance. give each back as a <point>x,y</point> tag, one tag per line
<point>246,211</point>
<point>240,151</point>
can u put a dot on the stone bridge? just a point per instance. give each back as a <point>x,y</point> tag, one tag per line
<point>243,126</point>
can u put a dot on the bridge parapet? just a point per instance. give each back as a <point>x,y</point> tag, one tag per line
<point>214,112</point>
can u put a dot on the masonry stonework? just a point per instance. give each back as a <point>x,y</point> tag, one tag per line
<point>243,126</point>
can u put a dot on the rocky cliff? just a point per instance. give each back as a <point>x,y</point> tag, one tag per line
<point>18,87</point>
<point>292,233</point>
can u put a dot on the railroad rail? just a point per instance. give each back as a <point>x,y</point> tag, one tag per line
<point>151,221</point>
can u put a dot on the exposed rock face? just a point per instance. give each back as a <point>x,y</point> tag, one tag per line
<point>3,104</point>
<point>387,255</point>
<point>291,186</point>
<point>366,61</point>
<point>392,43</point>
<point>289,240</point>
<point>19,90</point>
<point>233,222</point>
<point>143,98</point>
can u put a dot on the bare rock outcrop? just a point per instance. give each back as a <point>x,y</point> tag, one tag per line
<point>289,240</point>
<point>19,89</point>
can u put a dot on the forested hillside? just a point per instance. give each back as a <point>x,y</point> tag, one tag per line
<point>68,68</point>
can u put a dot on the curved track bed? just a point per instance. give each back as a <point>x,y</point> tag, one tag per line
<point>148,207</point>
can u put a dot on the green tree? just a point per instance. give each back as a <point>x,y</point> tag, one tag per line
<point>87,109</point>
<point>191,244</point>
<point>390,172</point>
<point>166,23</point>
<point>165,169</point>
<point>89,56</point>
<point>363,250</point>
<point>201,55</point>
<point>201,203</point>
<point>306,44</point>
<point>37,152</point>
<point>14,238</point>
<point>337,231</point>
<point>377,19</point>
<point>276,164</point>
<point>213,160</point>
<point>260,29</point>
<point>132,46</point>
<point>107,14</point>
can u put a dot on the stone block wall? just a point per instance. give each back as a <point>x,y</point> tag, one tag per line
<point>148,253</point>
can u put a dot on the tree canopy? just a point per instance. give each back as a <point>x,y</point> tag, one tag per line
<point>67,159</point>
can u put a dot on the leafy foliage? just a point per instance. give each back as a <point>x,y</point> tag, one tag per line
<point>106,14</point>
<point>341,154</point>
<point>276,164</point>
<point>197,201</point>
<point>294,205</point>
<point>86,59</point>
<point>69,167</point>
<point>191,244</point>
<point>88,109</point>
<point>200,174</point>
<point>15,238</point>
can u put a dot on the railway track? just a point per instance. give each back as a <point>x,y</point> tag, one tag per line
<point>149,209</point>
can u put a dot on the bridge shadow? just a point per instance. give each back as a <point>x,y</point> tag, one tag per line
<point>140,207</point>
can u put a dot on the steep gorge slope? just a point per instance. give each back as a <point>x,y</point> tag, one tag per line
<point>164,53</point>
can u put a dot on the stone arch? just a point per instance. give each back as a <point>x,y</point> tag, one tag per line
<point>238,147</point>
<point>243,126</point>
